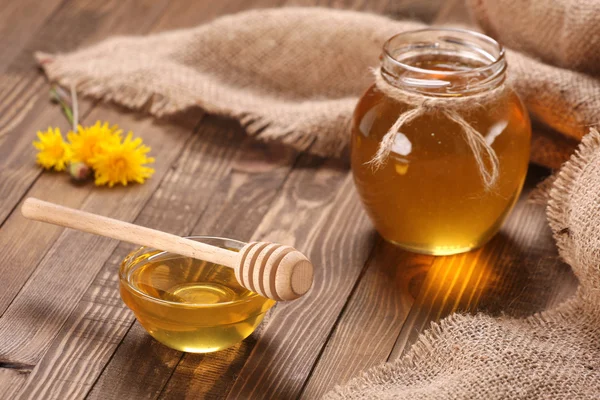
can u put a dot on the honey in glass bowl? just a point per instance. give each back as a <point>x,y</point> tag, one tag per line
<point>429,197</point>
<point>187,304</point>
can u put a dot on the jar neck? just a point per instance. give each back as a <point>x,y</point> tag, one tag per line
<point>443,62</point>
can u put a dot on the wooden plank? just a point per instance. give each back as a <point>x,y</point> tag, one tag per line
<point>95,328</point>
<point>76,24</point>
<point>246,194</point>
<point>18,24</point>
<point>12,375</point>
<point>256,176</point>
<point>32,321</point>
<point>122,380</point>
<point>70,26</point>
<point>18,171</point>
<point>25,242</point>
<point>518,273</point>
<point>409,9</point>
<point>24,105</point>
<point>208,376</point>
<point>338,240</point>
<point>190,13</point>
<point>372,319</point>
<point>303,193</point>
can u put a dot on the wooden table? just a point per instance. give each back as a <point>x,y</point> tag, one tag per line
<point>64,332</point>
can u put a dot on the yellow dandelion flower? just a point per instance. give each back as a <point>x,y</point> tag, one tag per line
<point>54,152</point>
<point>89,142</point>
<point>122,162</point>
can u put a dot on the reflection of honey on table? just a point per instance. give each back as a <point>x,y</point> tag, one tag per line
<point>430,197</point>
<point>204,308</point>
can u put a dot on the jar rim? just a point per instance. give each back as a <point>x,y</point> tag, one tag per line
<point>463,42</point>
<point>478,35</point>
<point>126,265</point>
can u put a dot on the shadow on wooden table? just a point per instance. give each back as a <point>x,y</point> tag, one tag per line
<point>512,275</point>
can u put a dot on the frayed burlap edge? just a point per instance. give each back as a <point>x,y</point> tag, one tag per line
<point>427,342</point>
<point>135,99</point>
<point>140,99</point>
<point>558,203</point>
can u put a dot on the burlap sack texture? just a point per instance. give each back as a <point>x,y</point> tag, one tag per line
<point>565,33</point>
<point>293,75</point>
<point>551,355</point>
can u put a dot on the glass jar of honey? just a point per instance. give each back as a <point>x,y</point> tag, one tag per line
<point>440,143</point>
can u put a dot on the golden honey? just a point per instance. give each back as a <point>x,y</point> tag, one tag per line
<point>430,197</point>
<point>187,304</point>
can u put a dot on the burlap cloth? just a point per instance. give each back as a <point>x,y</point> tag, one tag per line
<point>295,74</point>
<point>565,33</point>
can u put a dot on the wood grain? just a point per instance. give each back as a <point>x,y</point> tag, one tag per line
<point>14,36</point>
<point>252,183</point>
<point>411,9</point>
<point>487,280</point>
<point>206,158</point>
<point>338,242</point>
<point>18,172</point>
<point>25,242</point>
<point>298,183</point>
<point>244,196</point>
<point>24,104</point>
<point>12,378</point>
<point>372,319</point>
<point>52,292</point>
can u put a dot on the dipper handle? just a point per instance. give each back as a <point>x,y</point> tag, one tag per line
<point>274,271</point>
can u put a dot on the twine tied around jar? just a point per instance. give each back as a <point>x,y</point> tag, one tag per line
<point>485,157</point>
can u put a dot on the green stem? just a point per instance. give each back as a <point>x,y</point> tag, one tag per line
<point>64,105</point>
<point>68,112</point>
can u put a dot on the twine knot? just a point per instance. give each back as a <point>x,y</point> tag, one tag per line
<point>485,157</point>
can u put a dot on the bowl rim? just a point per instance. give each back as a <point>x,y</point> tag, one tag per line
<point>124,281</point>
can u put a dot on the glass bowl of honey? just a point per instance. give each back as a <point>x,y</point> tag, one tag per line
<point>187,304</point>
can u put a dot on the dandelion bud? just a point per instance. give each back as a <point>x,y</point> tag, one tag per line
<point>79,171</point>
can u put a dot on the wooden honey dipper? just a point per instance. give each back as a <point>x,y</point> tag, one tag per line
<point>273,270</point>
